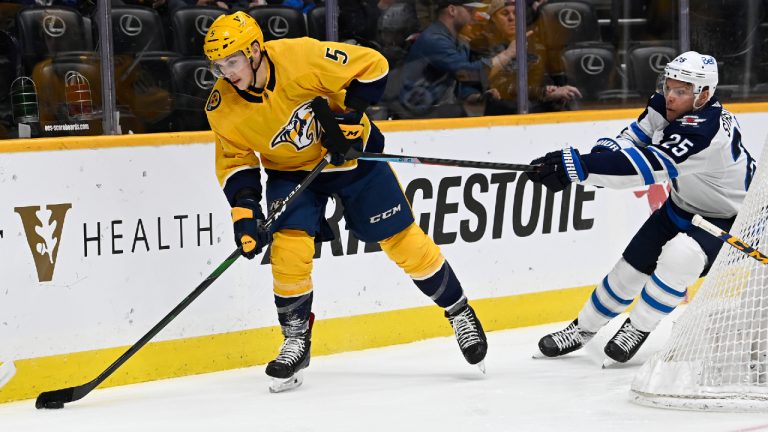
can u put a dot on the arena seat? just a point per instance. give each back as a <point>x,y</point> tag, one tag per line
<point>189,26</point>
<point>137,29</point>
<point>7,75</point>
<point>316,23</point>
<point>592,69</point>
<point>10,67</point>
<point>646,63</point>
<point>191,83</point>
<point>568,23</point>
<point>278,22</point>
<point>143,84</point>
<point>46,31</point>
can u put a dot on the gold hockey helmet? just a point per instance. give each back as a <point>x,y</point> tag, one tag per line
<point>230,34</point>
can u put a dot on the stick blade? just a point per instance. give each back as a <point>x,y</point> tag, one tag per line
<point>55,399</point>
<point>7,371</point>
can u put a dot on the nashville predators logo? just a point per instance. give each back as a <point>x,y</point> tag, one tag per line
<point>214,100</point>
<point>300,131</point>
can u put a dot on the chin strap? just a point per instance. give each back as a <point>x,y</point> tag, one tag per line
<point>256,71</point>
<point>697,96</point>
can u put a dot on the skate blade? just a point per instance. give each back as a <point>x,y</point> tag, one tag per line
<point>609,363</point>
<point>481,366</point>
<point>7,371</point>
<point>279,385</point>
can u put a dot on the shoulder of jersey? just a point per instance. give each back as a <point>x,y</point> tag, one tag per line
<point>658,103</point>
<point>288,47</point>
<point>221,90</point>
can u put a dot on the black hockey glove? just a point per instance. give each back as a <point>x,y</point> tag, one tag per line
<point>558,169</point>
<point>250,234</point>
<point>349,145</point>
<point>342,133</point>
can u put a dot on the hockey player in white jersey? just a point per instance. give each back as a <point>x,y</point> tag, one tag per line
<point>684,137</point>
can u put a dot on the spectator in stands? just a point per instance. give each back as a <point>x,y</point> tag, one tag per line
<point>497,35</point>
<point>438,75</point>
<point>229,5</point>
<point>85,7</point>
<point>303,6</point>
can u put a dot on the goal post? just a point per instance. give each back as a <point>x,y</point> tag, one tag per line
<point>715,358</point>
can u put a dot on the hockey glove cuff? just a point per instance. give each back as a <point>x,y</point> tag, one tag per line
<point>605,145</point>
<point>558,169</point>
<point>250,234</point>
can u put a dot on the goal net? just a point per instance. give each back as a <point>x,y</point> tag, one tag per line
<point>715,358</point>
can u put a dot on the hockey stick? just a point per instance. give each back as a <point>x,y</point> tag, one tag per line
<point>446,162</point>
<point>327,120</point>
<point>728,238</point>
<point>57,398</point>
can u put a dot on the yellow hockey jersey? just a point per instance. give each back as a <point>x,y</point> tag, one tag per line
<point>276,122</point>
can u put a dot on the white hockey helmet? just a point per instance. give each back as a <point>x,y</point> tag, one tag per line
<point>697,69</point>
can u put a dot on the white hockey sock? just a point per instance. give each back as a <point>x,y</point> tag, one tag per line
<point>612,295</point>
<point>681,262</point>
<point>656,301</point>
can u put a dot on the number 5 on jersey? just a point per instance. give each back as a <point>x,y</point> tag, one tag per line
<point>336,54</point>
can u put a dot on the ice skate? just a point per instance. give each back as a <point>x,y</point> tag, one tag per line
<point>564,341</point>
<point>469,334</point>
<point>624,344</point>
<point>285,370</point>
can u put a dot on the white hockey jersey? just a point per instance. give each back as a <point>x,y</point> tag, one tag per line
<point>700,153</point>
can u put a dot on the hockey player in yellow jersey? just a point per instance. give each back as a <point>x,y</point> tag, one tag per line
<point>259,111</point>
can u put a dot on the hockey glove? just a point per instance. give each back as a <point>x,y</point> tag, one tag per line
<point>558,169</point>
<point>349,144</point>
<point>250,234</point>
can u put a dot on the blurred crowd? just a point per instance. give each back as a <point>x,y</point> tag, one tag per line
<point>448,58</point>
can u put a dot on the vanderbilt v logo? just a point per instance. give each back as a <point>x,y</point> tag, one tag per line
<point>43,231</point>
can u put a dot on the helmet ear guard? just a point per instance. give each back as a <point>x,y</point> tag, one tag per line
<point>694,68</point>
<point>230,34</point>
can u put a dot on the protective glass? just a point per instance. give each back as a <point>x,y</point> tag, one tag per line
<point>678,90</point>
<point>660,81</point>
<point>221,68</point>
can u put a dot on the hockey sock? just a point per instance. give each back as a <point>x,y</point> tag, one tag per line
<point>293,313</point>
<point>652,308</point>
<point>681,262</point>
<point>442,287</point>
<point>611,296</point>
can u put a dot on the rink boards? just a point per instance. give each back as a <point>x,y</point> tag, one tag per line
<point>102,236</point>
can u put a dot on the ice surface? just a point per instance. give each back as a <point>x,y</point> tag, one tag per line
<point>424,386</point>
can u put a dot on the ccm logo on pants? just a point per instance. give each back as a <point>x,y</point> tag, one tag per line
<point>386,214</point>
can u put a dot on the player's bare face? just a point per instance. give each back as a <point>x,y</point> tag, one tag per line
<point>504,20</point>
<point>236,68</point>
<point>679,97</point>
